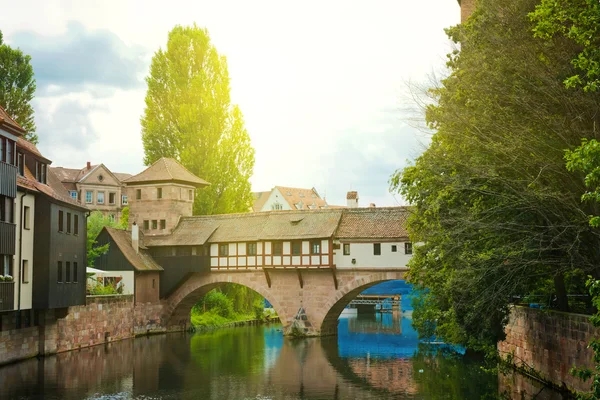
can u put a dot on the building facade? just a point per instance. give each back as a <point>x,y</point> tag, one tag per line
<point>287,198</point>
<point>95,187</point>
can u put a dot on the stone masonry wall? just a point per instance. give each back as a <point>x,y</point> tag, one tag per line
<point>551,343</point>
<point>103,319</point>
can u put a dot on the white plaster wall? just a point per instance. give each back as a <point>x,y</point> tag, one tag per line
<point>127,279</point>
<point>363,253</point>
<point>27,251</point>
<point>275,197</point>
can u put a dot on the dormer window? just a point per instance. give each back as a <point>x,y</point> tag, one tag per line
<point>7,150</point>
<point>288,193</point>
<point>301,195</point>
<point>73,194</point>
<point>40,172</point>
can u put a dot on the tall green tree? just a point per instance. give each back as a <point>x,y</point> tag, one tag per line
<point>17,87</point>
<point>498,212</point>
<point>189,117</point>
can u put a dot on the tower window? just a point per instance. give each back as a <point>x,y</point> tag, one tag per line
<point>138,194</point>
<point>159,193</point>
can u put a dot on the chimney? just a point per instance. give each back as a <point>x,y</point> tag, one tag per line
<point>89,165</point>
<point>135,237</point>
<point>372,205</point>
<point>352,199</point>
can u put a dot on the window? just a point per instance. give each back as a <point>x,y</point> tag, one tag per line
<point>60,221</point>
<point>124,200</point>
<point>6,266</point>
<point>73,194</point>
<point>100,197</point>
<point>408,248</point>
<point>37,171</point>
<point>10,159</point>
<point>68,222</point>
<point>21,164</point>
<point>25,272</point>
<point>138,194</point>
<point>251,249</point>
<point>75,224</point>
<point>59,274</point>
<point>159,193</point>
<point>154,224</point>
<point>277,248</point>
<point>111,217</point>
<point>276,206</point>
<point>6,209</point>
<point>153,283</point>
<point>88,197</point>
<point>191,194</point>
<point>394,248</point>
<point>75,272</point>
<point>26,217</point>
<point>346,249</point>
<point>315,247</point>
<point>112,198</point>
<point>163,224</point>
<point>296,248</point>
<point>68,272</point>
<point>377,249</point>
<point>223,250</point>
<point>146,224</point>
<point>44,167</point>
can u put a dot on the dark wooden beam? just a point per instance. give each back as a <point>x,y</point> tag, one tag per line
<point>300,278</point>
<point>267,276</point>
<point>335,280</point>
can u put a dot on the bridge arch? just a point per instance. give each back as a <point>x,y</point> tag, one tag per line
<point>322,294</point>
<point>178,306</point>
<point>348,292</point>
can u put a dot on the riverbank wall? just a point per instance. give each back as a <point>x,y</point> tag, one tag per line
<point>102,319</point>
<point>547,344</point>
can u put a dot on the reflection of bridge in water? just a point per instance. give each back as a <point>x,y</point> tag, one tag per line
<point>377,323</point>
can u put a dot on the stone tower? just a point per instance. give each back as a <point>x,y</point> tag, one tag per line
<point>466,9</point>
<point>160,195</point>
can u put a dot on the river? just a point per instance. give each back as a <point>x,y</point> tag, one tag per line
<point>375,356</point>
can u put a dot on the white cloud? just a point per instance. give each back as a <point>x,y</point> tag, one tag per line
<point>318,82</point>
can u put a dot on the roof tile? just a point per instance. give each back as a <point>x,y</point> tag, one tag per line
<point>166,170</point>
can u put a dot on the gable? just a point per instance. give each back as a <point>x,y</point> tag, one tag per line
<point>276,197</point>
<point>100,176</point>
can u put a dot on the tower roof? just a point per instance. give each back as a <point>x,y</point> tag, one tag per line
<point>166,170</point>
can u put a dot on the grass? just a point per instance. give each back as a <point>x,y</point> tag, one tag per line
<point>213,320</point>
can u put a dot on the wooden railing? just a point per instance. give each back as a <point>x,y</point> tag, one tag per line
<point>7,238</point>
<point>8,180</point>
<point>7,296</point>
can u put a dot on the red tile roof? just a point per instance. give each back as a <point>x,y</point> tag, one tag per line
<point>374,223</point>
<point>260,198</point>
<point>10,123</point>
<point>26,145</point>
<point>167,170</point>
<point>352,196</point>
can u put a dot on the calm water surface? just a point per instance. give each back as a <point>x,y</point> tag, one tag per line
<point>375,356</point>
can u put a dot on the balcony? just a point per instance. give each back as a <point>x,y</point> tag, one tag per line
<point>7,238</point>
<point>7,296</point>
<point>8,180</point>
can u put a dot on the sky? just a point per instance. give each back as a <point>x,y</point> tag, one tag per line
<point>323,85</point>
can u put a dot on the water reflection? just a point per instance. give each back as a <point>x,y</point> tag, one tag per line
<point>363,362</point>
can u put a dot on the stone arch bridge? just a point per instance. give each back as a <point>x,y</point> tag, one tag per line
<point>322,295</point>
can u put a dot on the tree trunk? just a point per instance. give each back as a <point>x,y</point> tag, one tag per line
<point>561,292</point>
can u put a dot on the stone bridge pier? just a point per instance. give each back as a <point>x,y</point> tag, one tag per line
<point>321,293</point>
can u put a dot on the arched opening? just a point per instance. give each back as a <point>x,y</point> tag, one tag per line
<point>178,308</point>
<point>329,325</point>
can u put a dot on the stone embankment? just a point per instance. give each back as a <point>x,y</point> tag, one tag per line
<point>547,344</point>
<point>101,320</point>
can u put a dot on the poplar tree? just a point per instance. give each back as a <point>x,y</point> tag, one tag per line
<point>17,87</point>
<point>189,117</point>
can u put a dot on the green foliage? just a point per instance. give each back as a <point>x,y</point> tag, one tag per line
<point>228,303</point>
<point>578,21</point>
<point>189,117</point>
<point>497,212</point>
<point>102,290</point>
<point>124,220</point>
<point>17,86</point>
<point>95,222</point>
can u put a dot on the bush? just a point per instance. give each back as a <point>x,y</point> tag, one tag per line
<point>218,304</point>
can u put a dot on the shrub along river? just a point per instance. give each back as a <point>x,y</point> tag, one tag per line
<point>375,356</point>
